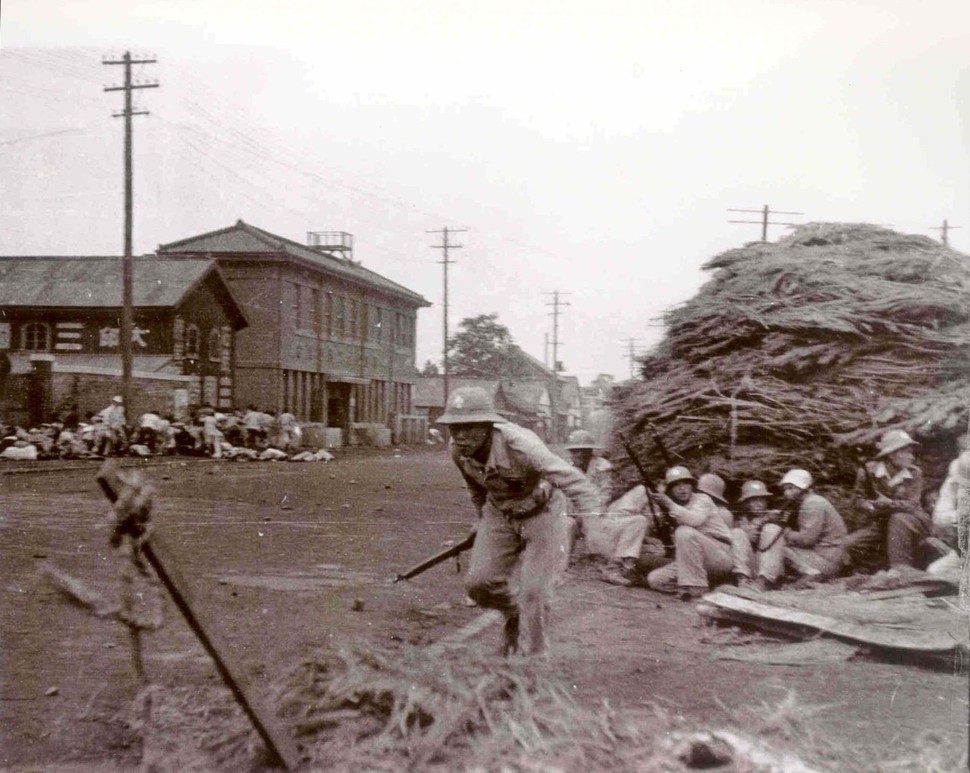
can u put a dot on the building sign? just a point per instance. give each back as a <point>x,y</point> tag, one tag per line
<point>68,336</point>
<point>110,337</point>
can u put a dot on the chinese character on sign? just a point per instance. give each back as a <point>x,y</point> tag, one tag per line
<point>108,336</point>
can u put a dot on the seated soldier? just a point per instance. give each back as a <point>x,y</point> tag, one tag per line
<point>702,540</point>
<point>811,548</point>
<point>618,530</point>
<point>746,535</point>
<point>890,488</point>
<point>713,485</point>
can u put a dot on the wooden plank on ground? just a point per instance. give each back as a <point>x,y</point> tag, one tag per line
<point>763,613</point>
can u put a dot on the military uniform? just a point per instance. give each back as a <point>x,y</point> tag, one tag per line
<point>522,492</point>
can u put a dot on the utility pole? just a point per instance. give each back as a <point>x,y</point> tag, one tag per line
<point>444,247</point>
<point>944,231</point>
<point>126,260</point>
<point>556,303</point>
<point>554,393</point>
<point>631,354</point>
<point>764,212</point>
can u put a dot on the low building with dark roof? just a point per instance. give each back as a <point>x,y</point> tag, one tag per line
<point>68,310</point>
<point>329,340</point>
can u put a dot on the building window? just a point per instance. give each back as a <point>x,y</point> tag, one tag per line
<point>352,313</point>
<point>338,316</point>
<point>35,337</point>
<point>215,345</point>
<point>328,314</point>
<point>192,339</point>
<point>378,323</point>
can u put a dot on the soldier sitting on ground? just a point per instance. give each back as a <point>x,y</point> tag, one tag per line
<point>702,539</point>
<point>811,548</point>
<point>616,532</point>
<point>889,489</point>
<point>747,539</point>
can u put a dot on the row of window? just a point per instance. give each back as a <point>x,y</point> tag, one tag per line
<point>341,316</point>
<point>193,338</point>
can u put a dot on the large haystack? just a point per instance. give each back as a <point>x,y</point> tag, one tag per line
<point>802,352</point>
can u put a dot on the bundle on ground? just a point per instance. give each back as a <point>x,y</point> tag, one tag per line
<point>804,351</point>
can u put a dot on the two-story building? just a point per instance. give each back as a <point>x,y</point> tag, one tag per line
<point>328,340</point>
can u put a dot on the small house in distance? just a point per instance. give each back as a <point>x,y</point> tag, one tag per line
<point>66,312</point>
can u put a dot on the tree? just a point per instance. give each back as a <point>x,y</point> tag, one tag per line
<point>429,369</point>
<point>480,347</point>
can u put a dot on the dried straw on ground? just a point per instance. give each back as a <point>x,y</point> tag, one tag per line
<point>359,709</point>
<point>802,351</point>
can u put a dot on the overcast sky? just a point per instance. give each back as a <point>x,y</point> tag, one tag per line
<point>589,148</point>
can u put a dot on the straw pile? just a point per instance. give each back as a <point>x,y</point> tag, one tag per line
<point>804,351</point>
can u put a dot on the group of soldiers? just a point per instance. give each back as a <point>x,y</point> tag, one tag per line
<point>536,510</point>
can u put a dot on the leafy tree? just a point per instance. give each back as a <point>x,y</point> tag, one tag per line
<point>429,369</point>
<point>480,347</point>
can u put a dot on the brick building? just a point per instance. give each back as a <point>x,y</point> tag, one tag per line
<point>329,340</point>
<point>66,311</point>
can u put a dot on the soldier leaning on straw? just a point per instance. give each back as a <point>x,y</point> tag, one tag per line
<point>890,489</point>
<point>521,490</point>
<point>702,539</point>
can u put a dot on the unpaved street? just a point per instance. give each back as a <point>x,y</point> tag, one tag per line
<point>285,558</point>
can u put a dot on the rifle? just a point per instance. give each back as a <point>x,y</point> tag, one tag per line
<point>454,551</point>
<point>660,519</point>
<point>658,442</point>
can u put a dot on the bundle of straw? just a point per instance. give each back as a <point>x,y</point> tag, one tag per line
<point>804,351</point>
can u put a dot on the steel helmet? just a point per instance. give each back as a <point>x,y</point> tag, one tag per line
<point>469,405</point>
<point>677,474</point>
<point>894,440</point>
<point>713,486</point>
<point>753,488</point>
<point>579,439</point>
<point>800,478</point>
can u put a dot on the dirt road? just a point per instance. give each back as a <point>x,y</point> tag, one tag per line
<point>286,558</point>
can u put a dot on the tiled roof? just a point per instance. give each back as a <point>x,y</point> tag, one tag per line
<point>96,282</point>
<point>243,238</point>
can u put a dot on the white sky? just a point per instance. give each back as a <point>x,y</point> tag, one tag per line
<point>589,148</point>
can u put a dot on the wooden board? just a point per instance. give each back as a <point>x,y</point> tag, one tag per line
<point>940,632</point>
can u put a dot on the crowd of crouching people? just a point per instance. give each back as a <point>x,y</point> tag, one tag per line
<point>686,538</point>
<point>249,434</point>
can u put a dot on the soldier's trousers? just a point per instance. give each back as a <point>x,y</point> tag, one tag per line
<point>538,546</point>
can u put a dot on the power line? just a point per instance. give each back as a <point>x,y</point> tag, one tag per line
<point>126,261</point>
<point>444,247</point>
<point>944,231</point>
<point>764,212</point>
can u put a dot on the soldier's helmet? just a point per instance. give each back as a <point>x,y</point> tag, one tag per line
<point>894,440</point>
<point>800,478</point>
<point>677,474</point>
<point>712,485</point>
<point>753,488</point>
<point>580,439</point>
<point>469,405</point>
